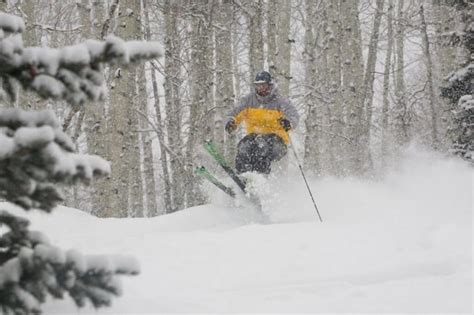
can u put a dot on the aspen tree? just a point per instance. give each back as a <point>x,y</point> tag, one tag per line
<point>224,75</point>
<point>386,86</point>
<point>146,138</point>
<point>369,78</point>
<point>336,108</point>
<point>254,13</point>
<point>124,191</point>
<point>432,100</point>
<point>173,107</point>
<point>312,158</point>
<point>272,17</point>
<point>402,119</point>
<point>284,41</point>
<point>199,125</point>
<point>352,88</point>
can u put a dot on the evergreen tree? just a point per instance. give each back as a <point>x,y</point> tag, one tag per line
<point>36,157</point>
<point>460,85</point>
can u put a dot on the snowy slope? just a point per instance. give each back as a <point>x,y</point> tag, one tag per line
<point>399,244</point>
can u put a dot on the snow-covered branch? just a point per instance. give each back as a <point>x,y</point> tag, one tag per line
<point>31,269</point>
<point>35,154</point>
<point>73,73</point>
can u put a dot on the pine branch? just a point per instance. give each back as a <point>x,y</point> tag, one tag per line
<point>72,73</point>
<point>36,155</point>
<point>31,269</point>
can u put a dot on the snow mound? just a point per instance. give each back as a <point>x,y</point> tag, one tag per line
<point>402,243</point>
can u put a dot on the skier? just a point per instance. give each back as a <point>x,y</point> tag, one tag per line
<point>268,117</point>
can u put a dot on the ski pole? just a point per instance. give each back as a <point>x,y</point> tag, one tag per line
<point>304,177</point>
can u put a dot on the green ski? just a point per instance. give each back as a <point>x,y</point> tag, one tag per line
<point>211,148</point>
<point>204,173</point>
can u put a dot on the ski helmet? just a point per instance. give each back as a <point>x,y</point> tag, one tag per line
<point>263,77</point>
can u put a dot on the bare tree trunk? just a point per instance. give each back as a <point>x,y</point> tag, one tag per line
<point>125,189</point>
<point>284,41</point>
<point>136,189</point>
<point>173,81</point>
<point>76,202</point>
<point>84,11</point>
<point>255,27</point>
<point>27,100</point>
<point>444,17</point>
<point>110,20</point>
<point>29,8</point>
<point>335,110</point>
<point>386,86</point>
<point>148,161</point>
<point>94,117</point>
<point>312,159</point>
<point>402,113</point>
<point>224,79</point>
<point>352,87</point>
<point>429,72</point>
<point>146,142</point>
<point>272,36</point>
<point>200,97</point>
<point>324,88</point>
<point>231,148</point>
<point>161,139</point>
<point>4,5</point>
<point>369,77</point>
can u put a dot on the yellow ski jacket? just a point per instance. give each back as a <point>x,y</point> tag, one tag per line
<point>261,114</point>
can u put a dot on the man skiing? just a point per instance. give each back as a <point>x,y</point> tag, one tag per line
<point>268,117</point>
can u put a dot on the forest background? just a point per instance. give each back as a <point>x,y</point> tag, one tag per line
<point>366,77</point>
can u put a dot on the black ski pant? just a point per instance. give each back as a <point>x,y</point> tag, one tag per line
<point>256,152</point>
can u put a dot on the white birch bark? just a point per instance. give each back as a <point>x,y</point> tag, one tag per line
<point>158,127</point>
<point>136,189</point>
<point>271,36</point>
<point>386,88</point>
<point>30,37</point>
<point>444,17</point>
<point>173,108</point>
<point>167,185</point>
<point>352,88</point>
<point>335,110</point>
<point>445,59</point>
<point>369,78</point>
<point>254,13</point>
<point>149,189</point>
<point>125,184</point>
<point>283,60</point>
<point>95,123</point>
<point>432,99</point>
<point>150,200</point>
<point>27,100</point>
<point>224,78</point>
<point>231,140</point>
<point>402,113</point>
<point>312,158</point>
<point>200,122</point>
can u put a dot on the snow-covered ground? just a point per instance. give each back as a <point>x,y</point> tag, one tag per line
<point>399,244</point>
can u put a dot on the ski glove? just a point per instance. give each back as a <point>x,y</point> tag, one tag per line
<point>285,124</point>
<point>230,126</point>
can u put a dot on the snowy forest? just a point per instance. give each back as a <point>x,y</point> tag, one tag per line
<point>366,77</point>
<point>109,106</point>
